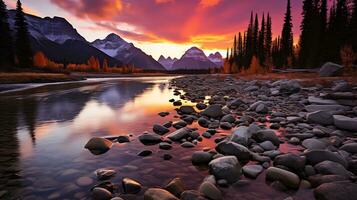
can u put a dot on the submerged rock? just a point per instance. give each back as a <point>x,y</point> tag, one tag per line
<point>158,194</point>
<point>226,167</point>
<point>150,139</point>
<point>131,186</point>
<point>98,145</point>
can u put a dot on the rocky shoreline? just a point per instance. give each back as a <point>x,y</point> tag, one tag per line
<point>296,137</point>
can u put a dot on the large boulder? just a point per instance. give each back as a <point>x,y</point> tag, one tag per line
<point>213,111</point>
<point>330,69</point>
<point>350,148</point>
<point>316,156</point>
<point>227,168</point>
<point>158,194</point>
<point>345,123</point>
<point>331,168</point>
<point>287,178</point>
<point>291,161</point>
<point>342,190</point>
<point>233,149</point>
<point>98,145</point>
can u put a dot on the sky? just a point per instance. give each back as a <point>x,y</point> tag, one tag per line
<point>165,27</point>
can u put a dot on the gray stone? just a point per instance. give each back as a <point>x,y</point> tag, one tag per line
<point>213,111</point>
<point>158,194</point>
<point>175,187</point>
<point>210,191</point>
<point>330,69</point>
<point>99,193</point>
<point>291,161</point>
<point>266,135</point>
<point>187,110</point>
<point>268,146</point>
<point>165,146</point>
<point>320,117</point>
<point>228,118</point>
<point>98,145</point>
<point>316,156</point>
<point>313,144</point>
<point>343,190</point>
<point>252,171</point>
<point>319,101</point>
<point>350,147</point>
<point>201,157</point>
<point>234,149</point>
<point>331,168</point>
<point>226,167</point>
<point>159,129</point>
<point>179,134</point>
<point>187,145</point>
<point>192,195</point>
<point>289,179</point>
<point>149,139</point>
<point>328,108</point>
<point>345,123</point>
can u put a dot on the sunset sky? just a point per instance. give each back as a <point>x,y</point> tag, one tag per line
<point>164,27</point>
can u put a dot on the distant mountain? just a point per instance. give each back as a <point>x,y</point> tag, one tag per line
<point>116,47</point>
<point>59,41</point>
<point>167,62</point>
<point>193,59</point>
<point>216,58</point>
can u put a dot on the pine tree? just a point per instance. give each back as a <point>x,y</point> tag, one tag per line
<point>353,26</point>
<point>249,48</point>
<point>240,51</point>
<point>307,27</point>
<point>287,37</point>
<point>23,45</point>
<point>322,39</point>
<point>6,47</point>
<point>268,38</point>
<point>235,47</point>
<point>261,42</point>
<point>255,35</point>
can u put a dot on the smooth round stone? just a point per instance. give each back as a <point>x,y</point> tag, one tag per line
<point>211,191</point>
<point>289,179</point>
<point>313,144</point>
<point>226,126</point>
<point>252,171</point>
<point>104,174</point>
<point>131,186</point>
<point>206,135</point>
<point>165,146</point>
<point>101,194</point>
<point>187,145</point>
<point>175,187</point>
<point>294,140</point>
<point>226,167</point>
<point>84,181</point>
<point>201,157</point>
<point>158,194</point>
<point>267,146</point>
<point>123,139</point>
<point>145,153</point>
<point>98,145</point>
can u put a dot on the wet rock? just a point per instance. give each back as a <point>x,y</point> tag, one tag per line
<point>262,108</point>
<point>336,191</point>
<point>84,181</point>
<point>201,157</point>
<point>175,187</point>
<point>149,139</point>
<point>179,124</point>
<point>316,156</point>
<point>294,140</point>
<point>313,144</point>
<point>123,139</point>
<point>203,122</point>
<point>289,179</point>
<point>225,126</point>
<point>144,153</point>
<point>165,146</point>
<point>105,174</point>
<point>266,135</point>
<point>210,191</point>
<point>319,179</point>
<point>186,110</point>
<point>252,171</point>
<point>331,168</point>
<point>167,157</point>
<point>350,148</point>
<point>213,111</point>
<point>177,103</point>
<point>158,194</point>
<point>159,129</point>
<point>226,167</point>
<point>98,145</point>
<point>163,114</point>
<point>330,69</point>
<point>101,194</point>
<point>327,108</point>
<point>228,118</point>
<point>179,134</point>
<point>234,149</point>
<point>291,161</point>
<point>345,123</point>
<point>187,145</point>
<point>242,134</point>
<point>206,135</point>
<point>268,146</point>
<point>131,186</point>
<point>201,106</point>
<point>320,117</point>
<point>289,87</point>
<point>235,103</point>
<point>320,101</point>
<point>191,195</point>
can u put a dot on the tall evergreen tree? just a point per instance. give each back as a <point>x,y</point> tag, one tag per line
<point>235,47</point>
<point>23,45</point>
<point>268,38</point>
<point>6,47</point>
<point>307,28</point>
<point>353,26</point>
<point>240,51</point>
<point>287,36</point>
<point>255,35</point>
<point>249,48</point>
<point>261,41</point>
<point>322,39</point>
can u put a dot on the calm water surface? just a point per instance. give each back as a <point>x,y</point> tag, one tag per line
<point>43,132</point>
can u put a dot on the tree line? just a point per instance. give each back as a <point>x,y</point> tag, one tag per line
<point>327,34</point>
<point>14,51</point>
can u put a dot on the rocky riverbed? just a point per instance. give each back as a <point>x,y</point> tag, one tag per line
<point>300,141</point>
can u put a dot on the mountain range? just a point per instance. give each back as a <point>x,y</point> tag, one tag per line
<point>61,42</point>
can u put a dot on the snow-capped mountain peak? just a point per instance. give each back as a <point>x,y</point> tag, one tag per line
<point>167,62</point>
<point>216,58</point>
<point>195,53</point>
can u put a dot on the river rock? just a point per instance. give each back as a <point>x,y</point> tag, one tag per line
<point>192,195</point>
<point>328,108</point>
<point>123,139</point>
<point>267,146</point>
<point>187,144</point>
<point>289,179</point>
<point>98,145</point>
<point>158,194</point>
<point>228,118</point>
<point>105,174</point>
<point>210,191</point>
<point>318,179</point>
<point>203,122</point>
<point>331,168</point>
<point>266,135</point>
<point>159,129</point>
<point>144,153</point>
<point>342,190</point>
<point>201,157</point>
<point>213,111</point>
<point>234,149</point>
<point>330,69</point>
<point>179,134</point>
<point>165,146</point>
<point>316,156</point>
<point>313,144</point>
<point>226,167</point>
<point>350,147</point>
<point>187,110</point>
<point>131,186</point>
<point>175,187</point>
<point>201,106</point>
<point>320,101</point>
<point>150,139</point>
<point>291,161</point>
<point>320,117</point>
<point>99,193</point>
<point>345,123</point>
<point>252,171</point>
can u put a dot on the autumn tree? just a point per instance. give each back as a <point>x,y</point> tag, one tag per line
<point>6,47</point>
<point>22,38</point>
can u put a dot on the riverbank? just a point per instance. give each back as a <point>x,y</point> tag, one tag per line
<point>35,77</point>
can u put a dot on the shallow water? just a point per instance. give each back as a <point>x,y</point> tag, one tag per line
<point>43,132</point>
